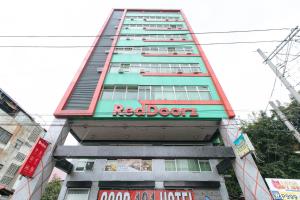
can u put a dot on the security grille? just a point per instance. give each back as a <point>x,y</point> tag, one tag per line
<point>6,180</point>
<point>4,136</point>
<point>20,157</point>
<point>12,170</point>
<point>34,134</point>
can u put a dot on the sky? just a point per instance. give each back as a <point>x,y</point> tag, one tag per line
<point>37,78</point>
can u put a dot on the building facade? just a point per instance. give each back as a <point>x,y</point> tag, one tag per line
<point>146,108</point>
<point>18,133</point>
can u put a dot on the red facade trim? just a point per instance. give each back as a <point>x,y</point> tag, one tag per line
<point>180,102</point>
<point>219,89</point>
<point>167,40</point>
<point>173,74</point>
<point>170,55</point>
<point>59,110</point>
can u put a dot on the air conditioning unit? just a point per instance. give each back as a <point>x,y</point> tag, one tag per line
<point>142,71</point>
<point>126,27</point>
<point>196,72</point>
<point>107,51</point>
<point>131,19</point>
<point>89,165</point>
<point>179,71</point>
<point>121,71</point>
<point>127,38</point>
<point>99,69</point>
<point>112,38</point>
<point>189,53</point>
<point>116,27</point>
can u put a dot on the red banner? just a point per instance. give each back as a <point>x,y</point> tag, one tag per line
<point>146,195</point>
<point>33,159</point>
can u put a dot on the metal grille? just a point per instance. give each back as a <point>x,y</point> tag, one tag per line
<point>20,157</point>
<point>34,134</point>
<point>6,180</point>
<point>85,87</point>
<point>4,136</point>
<point>12,170</point>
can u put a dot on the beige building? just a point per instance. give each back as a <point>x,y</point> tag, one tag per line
<point>18,133</point>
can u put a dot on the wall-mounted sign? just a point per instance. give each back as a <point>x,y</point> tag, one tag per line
<point>128,165</point>
<point>284,189</point>
<point>146,195</point>
<point>152,110</point>
<point>33,159</point>
<point>241,146</point>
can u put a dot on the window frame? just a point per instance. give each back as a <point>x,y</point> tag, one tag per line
<point>88,195</point>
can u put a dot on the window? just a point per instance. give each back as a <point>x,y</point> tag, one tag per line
<point>36,132</point>
<point>20,157</point>
<point>6,180</point>
<point>156,92</point>
<point>84,165</point>
<point>153,26</point>
<point>77,194</point>
<point>187,165</point>
<point>155,67</point>
<point>4,136</point>
<point>120,92</point>
<point>12,170</point>
<point>18,144</point>
<point>154,50</point>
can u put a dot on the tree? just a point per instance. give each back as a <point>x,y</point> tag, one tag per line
<point>274,144</point>
<point>52,190</point>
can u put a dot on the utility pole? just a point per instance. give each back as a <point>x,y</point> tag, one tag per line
<point>267,60</point>
<point>285,121</point>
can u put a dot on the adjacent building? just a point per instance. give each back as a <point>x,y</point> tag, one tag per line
<point>18,133</point>
<point>146,108</point>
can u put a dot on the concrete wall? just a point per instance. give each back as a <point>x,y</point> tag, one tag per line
<point>158,175</point>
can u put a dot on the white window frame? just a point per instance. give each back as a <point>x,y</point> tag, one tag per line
<point>88,195</point>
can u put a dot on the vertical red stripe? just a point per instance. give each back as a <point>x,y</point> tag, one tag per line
<point>219,89</point>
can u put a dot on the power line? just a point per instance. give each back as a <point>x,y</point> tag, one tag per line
<point>189,33</point>
<point>89,46</point>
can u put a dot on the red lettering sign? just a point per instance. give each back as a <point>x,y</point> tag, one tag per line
<point>33,159</point>
<point>146,195</point>
<point>153,110</point>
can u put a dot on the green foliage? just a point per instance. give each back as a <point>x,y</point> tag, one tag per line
<point>274,144</point>
<point>52,190</point>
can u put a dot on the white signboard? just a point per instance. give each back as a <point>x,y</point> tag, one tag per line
<point>284,189</point>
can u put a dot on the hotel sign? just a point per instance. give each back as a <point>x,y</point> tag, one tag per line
<point>31,163</point>
<point>152,110</point>
<point>146,195</point>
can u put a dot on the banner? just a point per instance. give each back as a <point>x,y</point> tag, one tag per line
<point>146,195</point>
<point>33,159</point>
<point>284,189</point>
<point>128,165</point>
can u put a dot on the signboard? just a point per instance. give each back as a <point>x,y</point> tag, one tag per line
<point>128,165</point>
<point>241,146</point>
<point>33,159</point>
<point>152,110</point>
<point>284,189</point>
<point>146,195</point>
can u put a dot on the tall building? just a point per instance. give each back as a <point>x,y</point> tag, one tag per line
<point>146,108</point>
<point>18,133</point>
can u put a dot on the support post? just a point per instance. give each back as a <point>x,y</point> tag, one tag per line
<point>246,171</point>
<point>32,188</point>
<point>285,121</point>
<point>294,93</point>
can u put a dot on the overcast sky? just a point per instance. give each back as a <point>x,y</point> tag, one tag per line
<point>38,77</point>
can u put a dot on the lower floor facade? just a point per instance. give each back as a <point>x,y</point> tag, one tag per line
<point>144,179</point>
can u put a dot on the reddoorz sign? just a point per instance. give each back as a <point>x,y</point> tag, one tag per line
<point>152,110</point>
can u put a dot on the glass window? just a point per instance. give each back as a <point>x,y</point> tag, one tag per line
<point>107,94</point>
<point>77,194</point>
<point>131,94</point>
<point>168,92</point>
<point>18,144</point>
<point>193,93</point>
<point>144,92</point>
<point>182,165</point>
<point>180,93</point>
<point>193,166</point>
<point>204,93</point>
<point>4,136</point>
<point>119,93</point>
<point>170,165</point>
<point>156,92</point>
<point>204,165</point>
